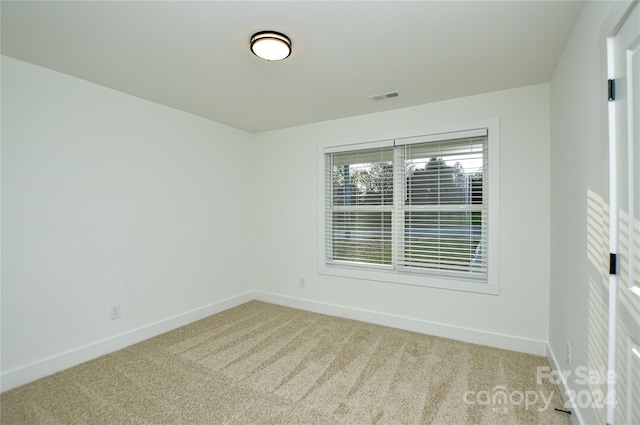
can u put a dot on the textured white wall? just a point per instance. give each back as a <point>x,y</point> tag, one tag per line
<point>579,201</point>
<point>107,199</point>
<point>288,236</point>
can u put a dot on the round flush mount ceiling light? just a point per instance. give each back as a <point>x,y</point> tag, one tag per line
<point>271,45</point>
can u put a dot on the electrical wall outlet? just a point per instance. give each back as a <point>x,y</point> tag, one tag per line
<point>301,282</point>
<point>115,311</point>
<point>568,354</point>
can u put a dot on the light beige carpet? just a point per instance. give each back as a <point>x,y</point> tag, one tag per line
<point>265,364</point>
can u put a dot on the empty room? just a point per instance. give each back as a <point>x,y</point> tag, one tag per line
<point>320,212</point>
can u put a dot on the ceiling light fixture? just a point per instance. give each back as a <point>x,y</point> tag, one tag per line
<point>271,45</point>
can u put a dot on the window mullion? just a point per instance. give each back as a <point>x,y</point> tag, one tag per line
<point>399,188</point>
<point>445,208</point>
<point>363,208</point>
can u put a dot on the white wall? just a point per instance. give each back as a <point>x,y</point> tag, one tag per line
<point>109,199</point>
<point>579,196</point>
<point>516,318</point>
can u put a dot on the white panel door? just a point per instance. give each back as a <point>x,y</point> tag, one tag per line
<point>625,120</point>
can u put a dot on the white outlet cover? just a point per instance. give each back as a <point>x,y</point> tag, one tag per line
<point>115,312</point>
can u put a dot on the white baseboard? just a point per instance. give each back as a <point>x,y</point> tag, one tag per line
<point>576,417</point>
<point>31,372</point>
<point>474,336</point>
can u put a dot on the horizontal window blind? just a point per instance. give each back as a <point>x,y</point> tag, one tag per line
<point>445,173</point>
<point>420,206</point>
<point>444,213</point>
<point>359,206</point>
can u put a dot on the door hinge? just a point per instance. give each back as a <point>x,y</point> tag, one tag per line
<point>613,264</point>
<point>611,88</point>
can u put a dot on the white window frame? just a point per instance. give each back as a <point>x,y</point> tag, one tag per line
<point>384,274</point>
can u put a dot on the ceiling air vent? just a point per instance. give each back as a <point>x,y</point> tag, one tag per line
<point>384,96</point>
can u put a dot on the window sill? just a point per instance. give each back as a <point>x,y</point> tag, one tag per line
<point>427,281</point>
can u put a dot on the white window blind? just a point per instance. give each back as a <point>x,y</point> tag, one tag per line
<point>444,210</point>
<point>359,206</point>
<point>420,210</point>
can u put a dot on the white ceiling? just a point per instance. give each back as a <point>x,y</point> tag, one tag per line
<point>194,56</point>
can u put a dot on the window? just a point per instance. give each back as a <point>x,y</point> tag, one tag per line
<point>411,210</point>
<point>360,206</point>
